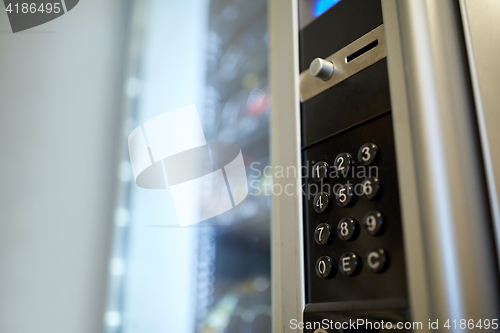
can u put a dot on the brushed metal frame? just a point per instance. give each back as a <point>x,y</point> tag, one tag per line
<point>311,86</point>
<point>449,252</point>
<point>287,236</point>
<point>479,19</point>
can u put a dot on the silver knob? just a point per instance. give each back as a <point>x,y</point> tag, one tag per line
<point>321,69</point>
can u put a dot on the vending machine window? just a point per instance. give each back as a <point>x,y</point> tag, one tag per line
<point>213,276</point>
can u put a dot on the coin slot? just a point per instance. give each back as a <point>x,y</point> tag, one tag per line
<point>361,51</point>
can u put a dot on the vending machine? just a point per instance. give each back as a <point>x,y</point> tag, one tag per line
<point>388,111</point>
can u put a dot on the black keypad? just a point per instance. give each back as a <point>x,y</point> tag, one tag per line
<point>368,153</point>
<point>320,171</point>
<point>349,264</point>
<point>344,195</point>
<point>323,234</point>
<point>371,187</point>
<point>325,267</point>
<point>322,202</point>
<point>343,163</point>
<point>373,223</point>
<point>377,260</point>
<point>347,229</point>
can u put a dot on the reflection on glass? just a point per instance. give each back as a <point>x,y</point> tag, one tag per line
<point>213,276</point>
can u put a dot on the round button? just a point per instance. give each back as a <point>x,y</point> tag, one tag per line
<point>325,267</point>
<point>321,202</point>
<point>373,222</point>
<point>342,163</point>
<point>371,187</point>
<point>323,234</point>
<point>320,171</point>
<point>367,153</point>
<point>321,69</point>
<point>347,229</point>
<point>349,263</point>
<point>377,260</point>
<point>344,195</point>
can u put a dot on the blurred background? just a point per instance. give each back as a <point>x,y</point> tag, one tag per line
<point>82,248</point>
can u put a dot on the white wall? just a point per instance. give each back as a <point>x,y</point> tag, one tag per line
<point>60,91</point>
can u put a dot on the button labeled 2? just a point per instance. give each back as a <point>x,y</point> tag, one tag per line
<point>343,162</point>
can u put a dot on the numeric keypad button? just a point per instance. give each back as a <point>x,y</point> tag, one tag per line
<point>323,234</point>
<point>322,202</point>
<point>347,229</point>
<point>373,223</point>
<point>325,267</point>
<point>377,260</point>
<point>370,187</point>
<point>343,162</point>
<point>349,264</point>
<point>345,195</point>
<point>368,153</point>
<point>320,171</point>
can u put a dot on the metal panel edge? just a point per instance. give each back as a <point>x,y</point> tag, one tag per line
<point>287,237</point>
<point>450,189</point>
<point>488,138</point>
<point>418,288</point>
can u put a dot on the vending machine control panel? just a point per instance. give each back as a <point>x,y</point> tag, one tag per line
<point>354,254</point>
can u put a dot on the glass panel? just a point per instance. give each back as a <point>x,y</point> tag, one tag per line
<point>213,276</point>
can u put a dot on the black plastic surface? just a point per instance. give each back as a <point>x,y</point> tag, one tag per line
<point>339,26</point>
<point>366,285</point>
<point>363,95</point>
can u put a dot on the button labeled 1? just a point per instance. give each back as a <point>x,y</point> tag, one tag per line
<point>349,263</point>
<point>320,171</point>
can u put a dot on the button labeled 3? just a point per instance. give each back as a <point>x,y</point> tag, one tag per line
<point>347,229</point>
<point>367,153</point>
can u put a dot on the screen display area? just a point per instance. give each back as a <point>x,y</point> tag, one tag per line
<point>321,6</point>
<point>312,9</point>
